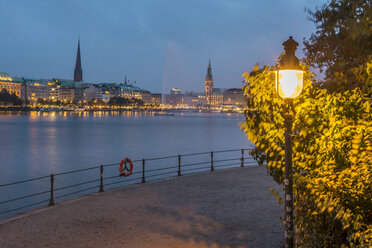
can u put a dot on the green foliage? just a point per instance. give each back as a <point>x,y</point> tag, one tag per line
<point>332,153</point>
<point>342,43</point>
<point>41,101</point>
<point>121,101</point>
<point>7,98</point>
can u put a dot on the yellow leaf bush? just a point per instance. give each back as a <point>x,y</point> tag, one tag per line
<point>332,153</point>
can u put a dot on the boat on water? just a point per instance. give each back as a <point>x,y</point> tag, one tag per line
<point>49,110</point>
<point>163,114</point>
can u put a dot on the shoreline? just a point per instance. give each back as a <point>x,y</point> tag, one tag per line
<point>28,109</point>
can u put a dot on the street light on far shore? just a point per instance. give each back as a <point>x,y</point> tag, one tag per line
<point>289,84</point>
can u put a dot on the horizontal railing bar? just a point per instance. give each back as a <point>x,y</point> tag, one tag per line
<point>249,158</point>
<point>78,184</point>
<point>194,154</point>
<point>233,150</point>
<point>137,172</point>
<point>166,168</point>
<point>108,165</point>
<point>186,165</point>
<point>61,196</point>
<point>123,181</point>
<point>221,165</point>
<point>23,181</point>
<point>29,205</point>
<point>112,164</point>
<point>254,161</point>
<point>23,197</point>
<point>105,178</point>
<point>223,160</point>
<point>200,169</point>
<point>161,174</point>
<point>69,172</point>
<point>151,159</point>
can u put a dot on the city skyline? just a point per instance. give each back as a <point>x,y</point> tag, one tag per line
<point>166,47</point>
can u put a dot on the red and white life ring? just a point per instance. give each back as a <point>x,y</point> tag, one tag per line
<point>124,171</point>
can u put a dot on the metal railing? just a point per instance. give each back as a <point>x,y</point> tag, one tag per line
<point>57,188</point>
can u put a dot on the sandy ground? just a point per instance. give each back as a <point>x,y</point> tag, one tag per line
<point>230,208</point>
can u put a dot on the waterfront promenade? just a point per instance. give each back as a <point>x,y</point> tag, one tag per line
<point>225,208</point>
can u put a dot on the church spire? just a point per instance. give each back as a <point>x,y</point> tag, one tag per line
<point>78,72</point>
<point>209,75</point>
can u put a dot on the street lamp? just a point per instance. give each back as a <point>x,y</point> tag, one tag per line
<point>289,84</point>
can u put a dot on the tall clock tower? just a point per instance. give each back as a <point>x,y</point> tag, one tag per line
<point>209,85</point>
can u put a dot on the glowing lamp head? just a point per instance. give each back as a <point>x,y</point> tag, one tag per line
<point>289,83</point>
<point>289,76</point>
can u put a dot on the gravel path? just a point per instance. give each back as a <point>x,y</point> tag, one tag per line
<point>230,208</point>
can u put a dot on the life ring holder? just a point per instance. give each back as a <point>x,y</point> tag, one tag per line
<point>124,171</point>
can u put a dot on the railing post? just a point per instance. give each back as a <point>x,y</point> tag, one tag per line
<point>51,200</point>
<point>179,165</point>
<point>212,168</point>
<point>143,171</point>
<point>101,179</point>
<point>242,158</point>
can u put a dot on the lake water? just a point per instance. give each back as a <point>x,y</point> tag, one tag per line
<point>37,144</point>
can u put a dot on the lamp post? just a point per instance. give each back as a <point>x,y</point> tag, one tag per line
<point>289,84</point>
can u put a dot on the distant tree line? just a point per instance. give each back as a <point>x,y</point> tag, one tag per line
<point>115,101</point>
<point>121,101</point>
<point>49,102</point>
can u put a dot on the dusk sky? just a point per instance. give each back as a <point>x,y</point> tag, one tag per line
<point>159,43</point>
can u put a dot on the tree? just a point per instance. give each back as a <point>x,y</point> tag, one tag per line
<point>119,101</point>
<point>5,97</point>
<point>332,157</point>
<point>342,44</point>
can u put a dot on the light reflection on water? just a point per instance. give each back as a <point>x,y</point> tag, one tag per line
<point>36,144</point>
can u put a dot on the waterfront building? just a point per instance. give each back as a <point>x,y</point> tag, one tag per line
<point>151,99</point>
<point>92,92</point>
<point>36,89</point>
<point>156,98</point>
<point>209,85</point>
<point>234,96</point>
<point>175,91</point>
<point>111,89</point>
<point>216,98</point>
<point>12,85</point>
<point>71,92</point>
<point>173,100</point>
<point>54,87</point>
<point>195,99</point>
<point>192,100</point>
<point>147,98</point>
<point>106,98</point>
<point>78,72</point>
<point>234,101</point>
<point>130,91</point>
<point>184,100</point>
